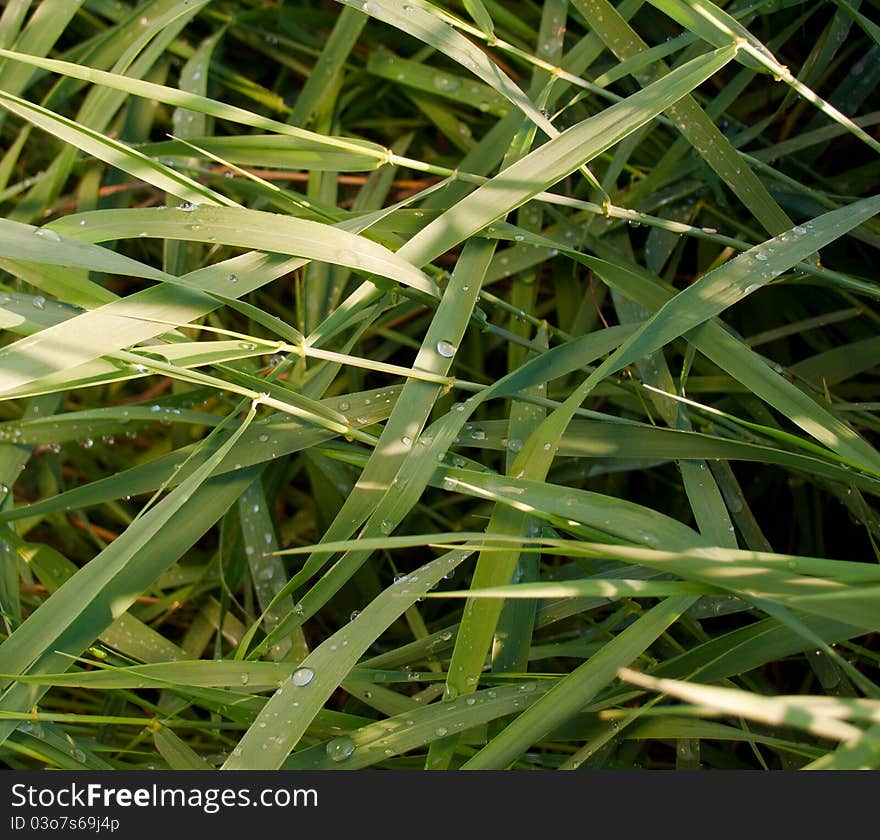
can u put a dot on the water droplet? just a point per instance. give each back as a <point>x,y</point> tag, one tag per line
<point>232,279</point>
<point>302,676</point>
<point>446,349</point>
<point>446,83</point>
<point>354,615</point>
<point>798,230</point>
<point>344,406</point>
<point>86,443</point>
<point>441,731</point>
<point>47,234</point>
<point>39,302</point>
<point>761,257</point>
<point>406,441</point>
<point>340,749</point>
<point>188,206</point>
<point>245,679</point>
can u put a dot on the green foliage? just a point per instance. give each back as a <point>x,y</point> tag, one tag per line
<point>438,386</point>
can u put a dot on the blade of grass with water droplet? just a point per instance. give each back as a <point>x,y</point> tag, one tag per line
<point>690,119</point>
<point>718,27</point>
<point>576,689</point>
<point>104,589</point>
<point>204,105</point>
<point>260,443</point>
<point>556,159</point>
<point>111,151</point>
<point>288,713</point>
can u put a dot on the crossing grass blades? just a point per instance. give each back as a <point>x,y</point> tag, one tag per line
<point>416,385</point>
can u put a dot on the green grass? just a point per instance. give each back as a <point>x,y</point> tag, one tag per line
<point>439,386</point>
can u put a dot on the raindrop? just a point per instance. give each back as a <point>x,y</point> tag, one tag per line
<point>406,441</point>
<point>354,615</point>
<point>446,83</point>
<point>302,676</point>
<point>245,679</point>
<point>340,749</point>
<point>799,231</point>
<point>232,279</point>
<point>478,434</point>
<point>47,234</point>
<point>761,257</point>
<point>440,731</point>
<point>86,443</point>
<point>39,302</point>
<point>446,349</point>
<point>188,206</point>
